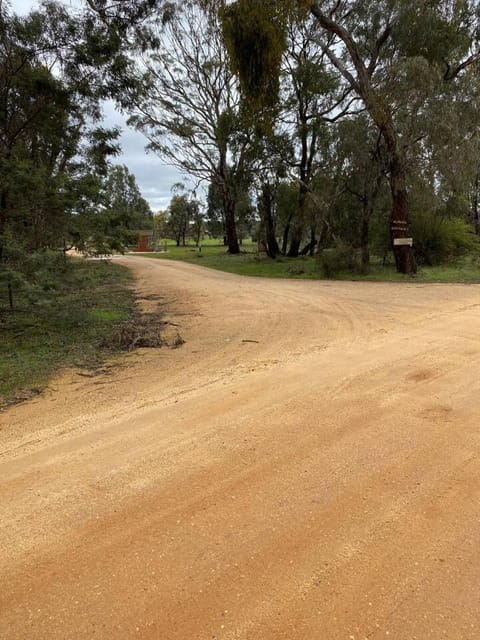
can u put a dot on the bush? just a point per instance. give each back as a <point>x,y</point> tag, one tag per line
<point>32,277</point>
<point>437,239</point>
<point>338,259</point>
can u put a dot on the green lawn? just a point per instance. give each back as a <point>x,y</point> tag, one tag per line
<point>250,263</point>
<point>71,326</point>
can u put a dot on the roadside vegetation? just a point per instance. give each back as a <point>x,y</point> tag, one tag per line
<point>59,191</point>
<point>347,134</point>
<point>212,254</point>
<point>73,323</point>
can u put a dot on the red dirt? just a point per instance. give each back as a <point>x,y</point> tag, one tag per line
<point>305,467</point>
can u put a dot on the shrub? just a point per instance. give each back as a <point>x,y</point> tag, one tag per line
<point>341,258</point>
<point>438,239</point>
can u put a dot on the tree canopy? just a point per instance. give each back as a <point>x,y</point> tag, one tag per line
<point>55,181</point>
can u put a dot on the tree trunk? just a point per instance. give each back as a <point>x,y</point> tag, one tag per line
<point>230,226</point>
<point>286,233</point>
<point>223,178</point>
<point>313,241</point>
<point>3,221</point>
<point>295,242</point>
<point>309,248</point>
<point>322,242</point>
<point>399,231</point>
<point>475,204</point>
<point>364,241</point>
<point>271,245</point>
<point>297,232</point>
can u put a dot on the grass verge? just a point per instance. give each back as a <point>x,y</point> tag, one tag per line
<point>77,324</point>
<point>250,263</point>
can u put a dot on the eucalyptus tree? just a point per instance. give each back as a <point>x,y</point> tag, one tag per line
<point>380,46</point>
<point>363,175</point>
<point>271,156</point>
<point>311,98</point>
<point>53,148</point>
<point>451,148</point>
<point>190,108</point>
<point>121,195</point>
<point>373,46</point>
<point>107,220</point>
<point>184,218</point>
<point>178,218</point>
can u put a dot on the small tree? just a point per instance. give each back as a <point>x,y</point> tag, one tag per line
<point>184,218</point>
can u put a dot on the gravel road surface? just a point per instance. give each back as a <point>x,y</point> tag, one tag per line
<point>306,466</point>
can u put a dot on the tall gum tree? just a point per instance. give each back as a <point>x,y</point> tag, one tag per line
<point>363,41</point>
<point>49,127</point>
<point>311,98</point>
<point>190,108</point>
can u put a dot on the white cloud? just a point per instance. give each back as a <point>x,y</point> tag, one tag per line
<point>154,177</point>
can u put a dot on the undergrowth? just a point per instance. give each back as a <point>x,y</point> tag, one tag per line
<point>84,318</point>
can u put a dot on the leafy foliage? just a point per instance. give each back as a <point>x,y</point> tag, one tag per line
<point>256,39</point>
<point>56,188</point>
<point>438,239</point>
<point>184,219</point>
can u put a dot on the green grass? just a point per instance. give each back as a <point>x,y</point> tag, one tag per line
<point>250,263</point>
<point>463,271</point>
<point>70,327</point>
<point>247,263</point>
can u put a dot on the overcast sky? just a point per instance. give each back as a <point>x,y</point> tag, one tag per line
<point>154,178</point>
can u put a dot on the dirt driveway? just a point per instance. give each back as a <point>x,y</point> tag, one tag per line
<point>306,466</point>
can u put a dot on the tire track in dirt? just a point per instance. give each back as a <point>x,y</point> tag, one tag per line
<point>322,482</point>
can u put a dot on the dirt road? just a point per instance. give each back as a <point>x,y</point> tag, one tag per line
<point>305,467</point>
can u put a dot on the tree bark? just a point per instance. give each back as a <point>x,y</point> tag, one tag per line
<point>309,248</point>
<point>297,231</point>
<point>295,242</point>
<point>475,204</point>
<point>3,220</point>
<point>271,244</point>
<point>399,229</point>
<point>286,234</point>
<point>323,235</point>
<point>230,226</point>
<point>365,242</point>
<point>313,241</point>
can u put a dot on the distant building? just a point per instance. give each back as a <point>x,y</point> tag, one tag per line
<point>145,241</point>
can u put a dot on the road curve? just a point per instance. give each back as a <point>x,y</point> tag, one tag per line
<point>306,466</point>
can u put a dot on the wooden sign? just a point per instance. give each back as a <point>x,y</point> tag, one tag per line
<point>403,242</point>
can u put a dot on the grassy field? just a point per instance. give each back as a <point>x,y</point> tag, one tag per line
<point>250,263</point>
<point>71,326</point>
